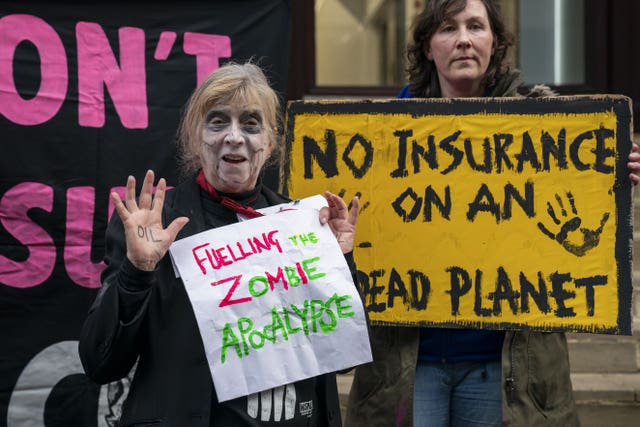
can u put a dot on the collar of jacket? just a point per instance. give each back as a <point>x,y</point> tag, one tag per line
<point>509,84</point>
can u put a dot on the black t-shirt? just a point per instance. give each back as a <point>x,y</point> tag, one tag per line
<point>293,405</point>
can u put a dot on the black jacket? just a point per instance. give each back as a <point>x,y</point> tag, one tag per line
<point>147,316</point>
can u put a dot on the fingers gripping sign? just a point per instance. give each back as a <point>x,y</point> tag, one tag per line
<point>341,221</point>
<point>147,239</point>
<point>634,164</point>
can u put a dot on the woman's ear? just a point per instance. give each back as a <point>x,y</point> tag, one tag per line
<point>427,53</point>
<point>271,147</point>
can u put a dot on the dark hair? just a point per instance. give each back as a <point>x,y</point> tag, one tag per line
<point>423,76</point>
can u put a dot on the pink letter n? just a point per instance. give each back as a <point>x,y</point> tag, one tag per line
<point>97,68</point>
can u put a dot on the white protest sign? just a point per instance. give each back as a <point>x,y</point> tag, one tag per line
<point>274,300</point>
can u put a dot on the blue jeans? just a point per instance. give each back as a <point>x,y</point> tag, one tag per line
<point>464,394</point>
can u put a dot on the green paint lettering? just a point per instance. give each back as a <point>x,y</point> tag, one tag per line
<point>229,339</point>
<point>258,279</point>
<point>310,270</point>
<point>244,326</point>
<point>290,330</point>
<point>303,315</point>
<point>292,276</point>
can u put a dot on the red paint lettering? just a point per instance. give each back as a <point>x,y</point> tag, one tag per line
<point>301,273</point>
<point>273,240</point>
<point>279,277</point>
<point>222,258</point>
<point>227,299</point>
<point>200,261</point>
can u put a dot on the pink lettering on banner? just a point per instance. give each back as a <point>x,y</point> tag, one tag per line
<point>208,49</point>
<point>97,68</point>
<point>77,248</point>
<point>165,43</point>
<point>79,233</point>
<point>122,191</point>
<point>15,29</point>
<point>14,206</point>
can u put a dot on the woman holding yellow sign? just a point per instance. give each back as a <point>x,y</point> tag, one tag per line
<point>464,377</point>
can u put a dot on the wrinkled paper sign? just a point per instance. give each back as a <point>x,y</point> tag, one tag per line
<point>274,300</point>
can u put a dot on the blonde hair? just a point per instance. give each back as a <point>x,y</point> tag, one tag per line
<point>231,83</point>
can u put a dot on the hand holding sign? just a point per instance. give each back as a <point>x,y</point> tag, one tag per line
<point>634,164</point>
<point>341,222</point>
<point>147,240</point>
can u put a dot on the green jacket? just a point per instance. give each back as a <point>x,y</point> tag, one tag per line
<point>535,376</point>
<point>535,365</point>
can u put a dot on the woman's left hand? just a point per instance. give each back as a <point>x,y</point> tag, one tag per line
<point>340,220</point>
<point>634,164</point>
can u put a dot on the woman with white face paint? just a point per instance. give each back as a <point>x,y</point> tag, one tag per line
<point>228,132</point>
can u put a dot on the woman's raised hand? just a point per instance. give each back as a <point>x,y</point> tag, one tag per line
<point>340,220</point>
<point>147,240</point>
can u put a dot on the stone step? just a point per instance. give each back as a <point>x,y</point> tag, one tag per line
<point>614,387</point>
<point>608,414</point>
<point>611,400</point>
<point>598,353</point>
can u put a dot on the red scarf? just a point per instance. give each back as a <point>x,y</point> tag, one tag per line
<point>224,200</point>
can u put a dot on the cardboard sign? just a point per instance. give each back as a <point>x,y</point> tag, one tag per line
<point>484,213</point>
<point>274,300</point>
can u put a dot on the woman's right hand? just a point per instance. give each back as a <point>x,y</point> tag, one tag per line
<point>341,221</point>
<point>147,240</point>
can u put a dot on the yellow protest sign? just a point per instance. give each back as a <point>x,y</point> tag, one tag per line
<point>487,213</point>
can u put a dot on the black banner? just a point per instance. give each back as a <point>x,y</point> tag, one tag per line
<point>89,94</point>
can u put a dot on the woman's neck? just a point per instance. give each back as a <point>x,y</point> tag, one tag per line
<point>466,89</point>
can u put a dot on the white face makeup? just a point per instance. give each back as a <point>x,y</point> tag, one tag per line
<point>235,146</point>
<point>461,49</point>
